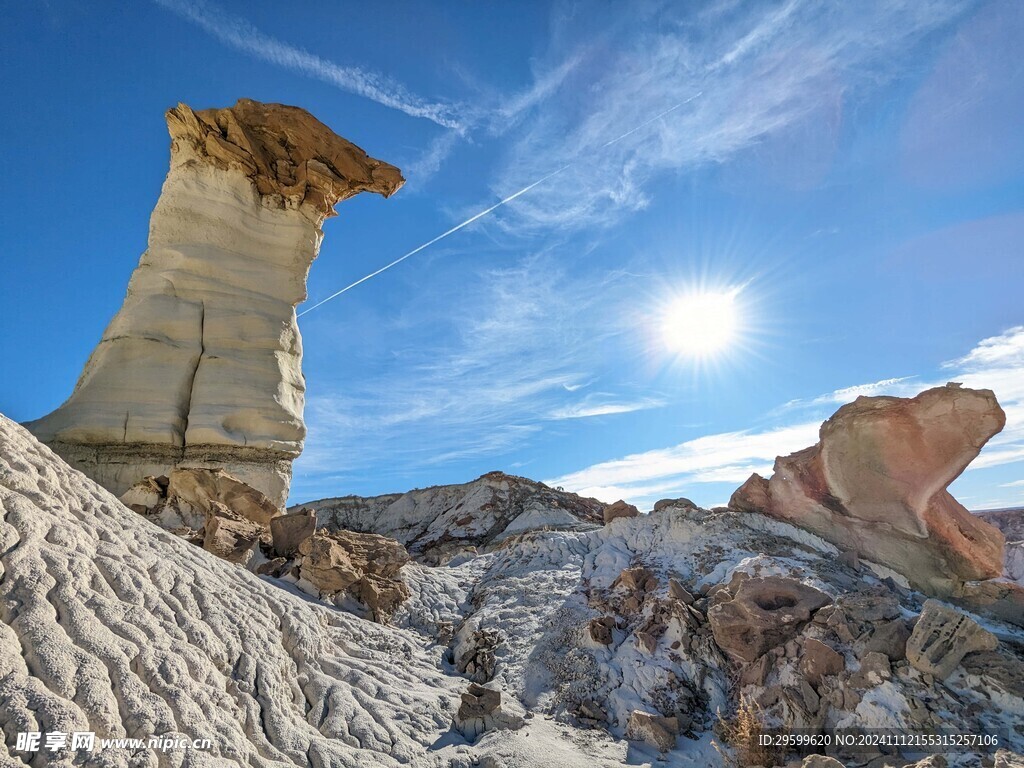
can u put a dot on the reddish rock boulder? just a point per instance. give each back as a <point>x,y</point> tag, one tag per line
<point>875,484</point>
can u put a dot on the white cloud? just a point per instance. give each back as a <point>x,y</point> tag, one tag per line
<point>902,384</point>
<point>1006,349</point>
<point>723,457</point>
<point>238,33</point>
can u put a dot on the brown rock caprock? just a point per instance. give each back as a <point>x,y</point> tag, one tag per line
<point>764,612</point>
<point>876,481</point>
<point>619,509</point>
<point>942,637</point>
<point>202,365</point>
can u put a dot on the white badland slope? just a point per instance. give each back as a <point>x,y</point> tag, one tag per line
<point>110,624</point>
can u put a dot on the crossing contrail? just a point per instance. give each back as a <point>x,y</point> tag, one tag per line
<point>486,211</point>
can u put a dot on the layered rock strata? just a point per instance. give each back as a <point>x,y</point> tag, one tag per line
<point>875,484</point>
<point>201,367</point>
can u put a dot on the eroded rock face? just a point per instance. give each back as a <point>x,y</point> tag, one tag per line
<point>942,637</point>
<point>333,562</point>
<point>765,612</point>
<point>875,484</point>
<point>201,367</point>
<point>197,647</point>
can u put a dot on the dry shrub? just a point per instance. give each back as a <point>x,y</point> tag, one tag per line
<point>742,732</point>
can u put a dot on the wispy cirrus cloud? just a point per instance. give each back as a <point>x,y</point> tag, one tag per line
<point>495,367</point>
<point>764,71</point>
<point>995,363</point>
<point>240,34</point>
<point>597,406</point>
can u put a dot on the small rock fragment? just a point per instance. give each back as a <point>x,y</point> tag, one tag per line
<point>942,637</point>
<point>818,660</point>
<point>655,730</point>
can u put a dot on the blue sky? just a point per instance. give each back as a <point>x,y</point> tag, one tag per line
<point>852,172</point>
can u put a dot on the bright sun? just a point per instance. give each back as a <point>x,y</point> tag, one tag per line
<point>701,324</point>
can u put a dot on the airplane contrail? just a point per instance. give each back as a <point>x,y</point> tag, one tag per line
<point>486,211</point>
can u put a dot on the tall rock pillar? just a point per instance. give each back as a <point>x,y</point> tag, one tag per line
<point>201,366</point>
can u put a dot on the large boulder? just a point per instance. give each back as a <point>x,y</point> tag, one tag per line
<point>334,561</point>
<point>765,611</point>
<point>201,366</point>
<point>655,730</point>
<point>876,481</point>
<point>230,539</point>
<point>204,489</point>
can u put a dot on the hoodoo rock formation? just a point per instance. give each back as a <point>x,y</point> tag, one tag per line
<point>201,367</point>
<point>875,484</point>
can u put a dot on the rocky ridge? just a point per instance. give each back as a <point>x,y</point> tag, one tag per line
<point>439,523</point>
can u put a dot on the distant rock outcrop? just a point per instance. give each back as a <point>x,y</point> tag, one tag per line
<point>1011,523</point>
<point>201,366</point>
<point>875,484</point>
<point>439,523</point>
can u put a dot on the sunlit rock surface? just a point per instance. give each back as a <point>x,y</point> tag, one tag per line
<point>109,623</point>
<point>202,364</point>
<point>875,484</point>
